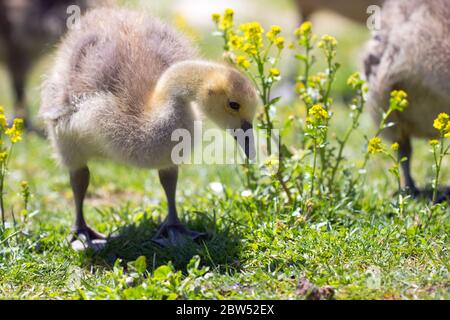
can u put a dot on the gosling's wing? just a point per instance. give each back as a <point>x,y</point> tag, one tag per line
<point>119,52</point>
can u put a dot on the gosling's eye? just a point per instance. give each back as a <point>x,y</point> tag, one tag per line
<point>234,105</point>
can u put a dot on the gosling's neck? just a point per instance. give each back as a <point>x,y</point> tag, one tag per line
<point>181,83</point>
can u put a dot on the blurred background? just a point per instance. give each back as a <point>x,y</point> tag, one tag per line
<point>31,58</point>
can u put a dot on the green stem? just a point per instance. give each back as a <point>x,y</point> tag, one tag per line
<point>438,163</point>
<point>343,143</point>
<point>314,169</point>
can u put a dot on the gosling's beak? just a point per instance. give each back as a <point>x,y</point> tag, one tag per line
<point>248,142</point>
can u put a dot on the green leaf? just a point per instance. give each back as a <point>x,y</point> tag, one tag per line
<point>194,263</point>
<point>141,264</point>
<point>301,57</point>
<point>162,272</point>
<point>274,100</point>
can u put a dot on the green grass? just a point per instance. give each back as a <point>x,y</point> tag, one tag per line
<point>257,248</point>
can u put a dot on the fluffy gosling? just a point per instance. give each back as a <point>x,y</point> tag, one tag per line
<point>119,87</point>
<point>411,52</point>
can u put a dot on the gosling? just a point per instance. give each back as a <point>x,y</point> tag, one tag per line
<point>119,87</point>
<point>411,52</point>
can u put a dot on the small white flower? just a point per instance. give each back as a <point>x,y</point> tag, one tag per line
<point>297,213</point>
<point>246,193</point>
<point>217,187</point>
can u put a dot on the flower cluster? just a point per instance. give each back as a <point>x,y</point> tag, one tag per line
<point>273,37</point>
<point>243,62</point>
<point>356,83</point>
<point>304,34</point>
<point>433,142</point>
<point>395,146</point>
<point>252,39</point>
<point>442,123</point>
<point>14,133</point>
<point>328,44</point>
<point>257,53</point>
<point>317,115</point>
<point>274,72</point>
<point>439,148</point>
<point>399,100</point>
<point>375,146</point>
<point>3,122</point>
<point>248,44</point>
<point>225,22</point>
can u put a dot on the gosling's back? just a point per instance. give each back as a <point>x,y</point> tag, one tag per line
<point>117,51</point>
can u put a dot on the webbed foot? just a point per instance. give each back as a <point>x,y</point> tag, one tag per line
<point>86,238</point>
<point>175,234</point>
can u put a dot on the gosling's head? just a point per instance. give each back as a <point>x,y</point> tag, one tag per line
<point>230,100</point>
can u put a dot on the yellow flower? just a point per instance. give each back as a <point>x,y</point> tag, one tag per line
<point>317,114</point>
<point>252,37</point>
<point>252,29</point>
<point>15,132</point>
<point>274,31</point>
<point>375,145</point>
<point>3,156</point>
<point>399,100</point>
<point>3,122</point>
<point>249,49</point>
<point>433,142</point>
<point>24,185</point>
<point>235,41</point>
<point>304,30</point>
<point>216,18</point>
<point>355,81</point>
<point>315,81</point>
<point>441,122</point>
<point>299,87</point>
<point>395,146</point>
<point>274,72</point>
<point>279,42</point>
<point>226,23</point>
<point>327,40</point>
<point>229,13</point>
<point>242,62</point>
<point>447,130</point>
<point>328,44</point>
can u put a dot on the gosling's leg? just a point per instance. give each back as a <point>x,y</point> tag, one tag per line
<point>172,231</point>
<point>405,151</point>
<point>83,236</point>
